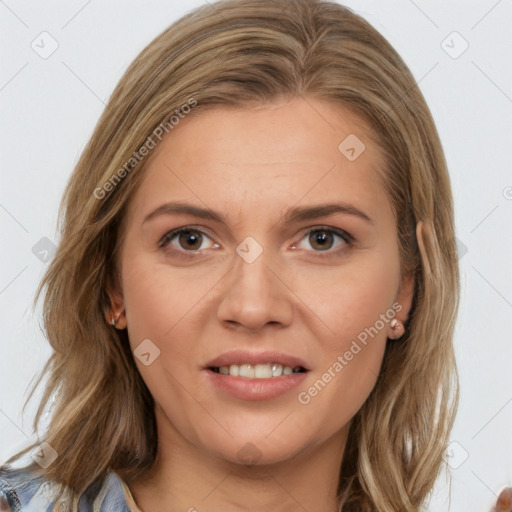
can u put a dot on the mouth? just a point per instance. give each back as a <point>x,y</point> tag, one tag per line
<point>249,375</point>
<point>257,371</point>
<point>255,382</point>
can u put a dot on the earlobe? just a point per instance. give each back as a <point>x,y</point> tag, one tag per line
<point>397,329</point>
<point>116,317</point>
<point>404,299</point>
<point>118,320</point>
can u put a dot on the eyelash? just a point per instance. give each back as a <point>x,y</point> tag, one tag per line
<point>348,240</point>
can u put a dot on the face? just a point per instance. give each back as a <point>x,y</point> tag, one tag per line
<point>259,274</point>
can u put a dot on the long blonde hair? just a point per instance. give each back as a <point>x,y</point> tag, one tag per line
<point>243,53</point>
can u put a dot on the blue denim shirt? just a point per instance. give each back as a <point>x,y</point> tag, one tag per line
<point>30,491</point>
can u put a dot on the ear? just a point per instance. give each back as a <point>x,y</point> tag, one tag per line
<point>405,296</point>
<point>117,310</point>
<point>404,299</point>
<point>406,290</point>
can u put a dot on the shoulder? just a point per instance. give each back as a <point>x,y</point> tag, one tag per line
<point>24,490</point>
<point>18,487</point>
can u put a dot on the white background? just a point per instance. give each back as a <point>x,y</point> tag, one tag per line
<point>50,106</point>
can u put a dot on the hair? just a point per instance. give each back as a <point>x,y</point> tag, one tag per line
<point>243,54</point>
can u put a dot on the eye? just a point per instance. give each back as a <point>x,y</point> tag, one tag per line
<point>323,239</point>
<point>189,240</point>
<point>185,240</point>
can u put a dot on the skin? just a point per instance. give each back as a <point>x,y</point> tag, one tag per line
<point>251,166</point>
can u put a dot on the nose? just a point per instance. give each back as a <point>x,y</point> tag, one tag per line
<point>255,296</point>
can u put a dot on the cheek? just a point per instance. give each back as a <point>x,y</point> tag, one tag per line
<point>144,303</point>
<point>365,305</point>
<point>158,308</point>
<point>355,302</point>
<point>166,306</point>
<point>349,299</point>
<point>157,299</point>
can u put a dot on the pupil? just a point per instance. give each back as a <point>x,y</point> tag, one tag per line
<point>192,239</point>
<point>321,238</point>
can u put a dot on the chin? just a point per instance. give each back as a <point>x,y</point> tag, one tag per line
<point>256,450</point>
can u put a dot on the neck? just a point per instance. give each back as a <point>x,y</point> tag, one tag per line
<point>186,478</point>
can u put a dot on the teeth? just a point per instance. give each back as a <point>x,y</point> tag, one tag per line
<point>258,371</point>
<point>263,371</point>
<point>277,370</point>
<point>246,370</point>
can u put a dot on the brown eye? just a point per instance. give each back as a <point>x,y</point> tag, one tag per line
<point>190,239</point>
<point>186,240</point>
<point>321,239</point>
<point>333,242</point>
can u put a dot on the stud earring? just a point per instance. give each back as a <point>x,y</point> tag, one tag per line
<point>115,318</point>
<point>397,327</point>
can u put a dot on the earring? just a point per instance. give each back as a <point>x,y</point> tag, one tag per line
<point>398,328</point>
<point>115,318</point>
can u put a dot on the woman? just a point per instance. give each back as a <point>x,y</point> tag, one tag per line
<point>253,300</point>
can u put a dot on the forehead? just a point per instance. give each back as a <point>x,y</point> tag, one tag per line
<point>239,158</point>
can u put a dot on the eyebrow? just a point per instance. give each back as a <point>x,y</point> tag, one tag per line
<point>297,214</point>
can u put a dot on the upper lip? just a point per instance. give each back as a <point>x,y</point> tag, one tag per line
<point>247,357</point>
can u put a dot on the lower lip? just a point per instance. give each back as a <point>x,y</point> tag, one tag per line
<point>254,389</point>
